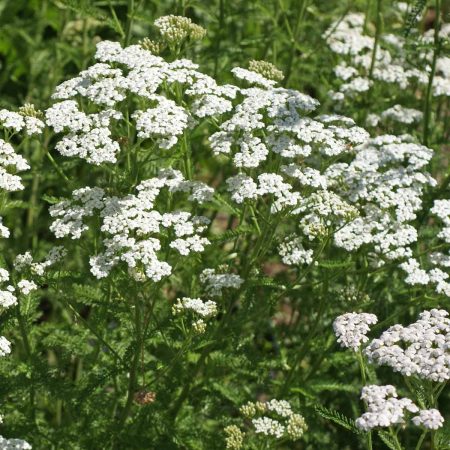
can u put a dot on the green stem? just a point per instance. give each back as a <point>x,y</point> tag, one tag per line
<point>366,17</point>
<point>421,439</point>
<point>377,38</point>
<point>187,158</point>
<point>304,348</point>
<point>57,168</point>
<point>132,382</point>
<point>394,437</point>
<point>199,365</point>
<point>294,37</point>
<point>219,37</point>
<point>130,16</point>
<point>362,367</point>
<point>27,347</point>
<point>33,202</point>
<point>427,106</point>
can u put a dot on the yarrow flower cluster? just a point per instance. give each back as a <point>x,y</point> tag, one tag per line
<point>434,270</point>
<point>5,346</point>
<point>398,113</point>
<point>385,182</point>
<point>234,437</point>
<point>324,173</point>
<point>351,329</point>
<point>420,349</point>
<point>10,161</point>
<point>25,261</point>
<point>215,282</point>
<point>383,407</point>
<point>132,227</point>
<point>132,72</point>
<point>27,119</point>
<point>7,294</point>
<point>392,65</point>
<point>430,419</point>
<point>274,419</point>
<point>198,308</point>
<point>14,444</point>
<point>292,251</point>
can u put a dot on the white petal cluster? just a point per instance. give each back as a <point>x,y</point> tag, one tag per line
<point>7,297</point>
<point>306,176</point>
<point>293,253</point>
<point>322,210</point>
<point>14,444</point>
<point>269,427</point>
<point>88,135</point>
<point>215,282</point>
<point>431,419</point>
<point>201,310</point>
<point>252,77</point>
<point>132,226</point>
<point>273,120</point>
<point>24,261</point>
<point>26,287</point>
<point>421,349</point>
<point>5,346</point>
<point>10,160</point>
<point>4,275</point>
<point>434,270</point>
<point>165,122</point>
<point>398,113</point>
<point>345,36</point>
<point>351,329</point>
<point>7,293</point>
<point>271,124</point>
<point>18,122</point>
<point>383,407</point>
<point>415,274</point>
<point>99,83</point>
<point>393,64</point>
<point>280,407</point>
<point>69,215</point>
<point>4,232</point>
<point>122,73</point>
<point>275,418</point>
<point>385,181</point>
<point>242,187</point>
<point>196,305</point>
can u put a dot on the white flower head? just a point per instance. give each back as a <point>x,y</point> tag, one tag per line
<point>351,329</point>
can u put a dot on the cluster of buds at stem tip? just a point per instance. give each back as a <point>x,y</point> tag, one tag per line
<point>266,69</point>
<point>29,110</point>
<point>176,29</point>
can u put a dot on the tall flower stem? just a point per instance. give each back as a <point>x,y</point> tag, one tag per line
<point>379,24</point>
<point>362,368</point>
<point>437,47</point>
<point>28,351</point>
<point>294,34</point>
<point>130,16</point>
<point>421,439</point>
<point>133,373</point>
<point>219,36</point>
